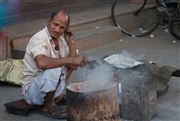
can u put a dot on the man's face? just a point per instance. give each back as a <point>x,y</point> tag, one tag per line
<point>58,25</point>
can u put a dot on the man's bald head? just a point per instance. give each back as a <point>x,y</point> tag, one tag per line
<point>58,23</point>
<point>61,13</point>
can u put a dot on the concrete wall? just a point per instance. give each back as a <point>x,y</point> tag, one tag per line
<point>4,47</point>
<point>19,11</point>
<point>23,6</point>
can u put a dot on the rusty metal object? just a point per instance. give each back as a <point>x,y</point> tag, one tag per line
<point>92,104</point>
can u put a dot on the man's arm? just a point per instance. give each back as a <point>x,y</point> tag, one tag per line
<point>69,72</point>
<point>44,62</point>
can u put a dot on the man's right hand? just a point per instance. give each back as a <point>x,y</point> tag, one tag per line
<point>79,61</point>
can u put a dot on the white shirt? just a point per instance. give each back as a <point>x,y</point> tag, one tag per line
<point>40,43</point>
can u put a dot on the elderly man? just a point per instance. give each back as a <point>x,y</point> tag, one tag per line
<point>47,62</point>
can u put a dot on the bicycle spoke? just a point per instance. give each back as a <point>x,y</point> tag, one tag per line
<point>140,24</point>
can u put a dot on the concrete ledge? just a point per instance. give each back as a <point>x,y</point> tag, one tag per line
<point>79,20</point>
<point>86,39</point>
<point>93,38</point>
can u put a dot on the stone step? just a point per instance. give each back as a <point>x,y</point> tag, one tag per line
<point>92,27</point>
<point>81,19</point>
<point>85,19</point>
<point>86,39</point>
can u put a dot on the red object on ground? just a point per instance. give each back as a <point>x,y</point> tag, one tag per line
<point>4,46</point>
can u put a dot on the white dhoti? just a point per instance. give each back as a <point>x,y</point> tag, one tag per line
<point>46,81</point>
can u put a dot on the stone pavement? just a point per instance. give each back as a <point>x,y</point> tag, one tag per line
<point>163,49</point>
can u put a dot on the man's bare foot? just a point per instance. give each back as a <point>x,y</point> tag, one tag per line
<point>48,106</point>
<point>57,112</point>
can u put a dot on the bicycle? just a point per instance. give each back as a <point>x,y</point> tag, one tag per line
<point>143,18</point>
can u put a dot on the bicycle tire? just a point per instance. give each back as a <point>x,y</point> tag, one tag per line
<point>174,28</point>
<point>142,24</point>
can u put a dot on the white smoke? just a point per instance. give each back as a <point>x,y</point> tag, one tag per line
<point>98,77</point>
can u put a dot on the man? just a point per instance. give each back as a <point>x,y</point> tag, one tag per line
<point>47,61</point>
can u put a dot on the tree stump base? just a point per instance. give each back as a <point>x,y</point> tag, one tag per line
<point>85,104</point>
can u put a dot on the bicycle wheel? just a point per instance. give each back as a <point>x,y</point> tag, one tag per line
<point>133,18</point>
<point>174,28</point>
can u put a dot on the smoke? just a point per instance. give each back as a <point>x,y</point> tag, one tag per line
<point>100,75</point>
<point>101,72</point>
<point>133,56</point>
<point>96,76</point>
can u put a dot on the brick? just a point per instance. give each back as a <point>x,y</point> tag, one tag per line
<point>4,46</point>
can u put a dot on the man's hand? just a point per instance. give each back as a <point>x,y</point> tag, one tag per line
<point>72,67</point>
<point>68,36</point>
<point>78,61</point>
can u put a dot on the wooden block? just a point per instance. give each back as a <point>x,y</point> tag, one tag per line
<point>4,46</point>
<point>20,107</point>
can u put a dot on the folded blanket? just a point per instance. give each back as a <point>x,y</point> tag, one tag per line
<point>11,71</point>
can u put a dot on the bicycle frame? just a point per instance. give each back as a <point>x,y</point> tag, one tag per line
<point>163,8</point>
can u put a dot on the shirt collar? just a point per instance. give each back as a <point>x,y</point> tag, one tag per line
<point>49,36</point>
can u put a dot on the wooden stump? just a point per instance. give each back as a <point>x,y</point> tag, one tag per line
<point>138,97</point>
<point>92,105</point>
<point>4,46</point>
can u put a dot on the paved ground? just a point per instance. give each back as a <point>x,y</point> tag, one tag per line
<point>162,49</point>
